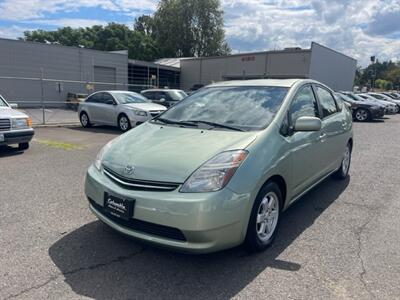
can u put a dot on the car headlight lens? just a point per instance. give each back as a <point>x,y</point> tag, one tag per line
<point>100,155</point>
<point>215,173</point>
<point>21,123</point>
<point>140,113</point>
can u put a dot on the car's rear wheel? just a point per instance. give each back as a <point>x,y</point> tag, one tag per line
<point>23,146</point>
<point>343,171</point>
<point>123,123</point>
<point>362,115</point>
<point>264,220</point>
<point>84,118</point>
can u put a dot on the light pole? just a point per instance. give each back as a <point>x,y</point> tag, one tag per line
<point>373,72</point>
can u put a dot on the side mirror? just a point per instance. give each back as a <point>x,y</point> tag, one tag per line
<point>307,124</point>
<point>110,102</point>
<point>14,105</point>
<point>347,104</point>
<point>162,100</point>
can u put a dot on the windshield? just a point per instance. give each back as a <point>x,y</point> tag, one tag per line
<point>126,98</point>
<point>177,95</point>
<point>345,97</point>
<point>244,107</point>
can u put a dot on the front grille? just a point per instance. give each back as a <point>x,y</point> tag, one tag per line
<point>5,124</point>
<point>142,226</point>
<point>142,185</point>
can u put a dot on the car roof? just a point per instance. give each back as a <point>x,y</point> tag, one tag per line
<point>160,90</point>
<point>262,82</point>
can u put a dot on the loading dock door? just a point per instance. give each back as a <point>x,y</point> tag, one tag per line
<point>105,78</point>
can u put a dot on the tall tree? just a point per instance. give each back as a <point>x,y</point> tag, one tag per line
<point>190,28</point>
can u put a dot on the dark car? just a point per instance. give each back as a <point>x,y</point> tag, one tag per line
<point>166,97</point>
<point>362,111</point>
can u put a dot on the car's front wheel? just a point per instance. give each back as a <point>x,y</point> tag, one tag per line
<point>123,123</point>
<point>264,219</point>
<point>23,146</point>
<point>362,115</point>
<point>343,171</point>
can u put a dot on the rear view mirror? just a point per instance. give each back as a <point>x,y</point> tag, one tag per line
<point>307,124</point>
<point>14,105</point>
<point>162,100</point>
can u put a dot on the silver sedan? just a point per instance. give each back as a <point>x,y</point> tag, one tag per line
<point>117,108</point>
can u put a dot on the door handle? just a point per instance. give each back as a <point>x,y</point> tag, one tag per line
<point>322,136</point>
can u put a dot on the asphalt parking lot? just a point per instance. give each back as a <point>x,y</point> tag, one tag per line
<point>341,241</point>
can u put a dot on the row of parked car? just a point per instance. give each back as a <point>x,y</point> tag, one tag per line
<point>126,109</point>
<point>370,106</point>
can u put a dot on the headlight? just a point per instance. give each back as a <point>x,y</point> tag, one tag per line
<point>21,123</point>
<point>140,113</point>
<point>100,155</point>
<point>215,173</point>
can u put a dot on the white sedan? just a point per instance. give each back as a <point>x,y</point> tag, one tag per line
<point>117,108</point>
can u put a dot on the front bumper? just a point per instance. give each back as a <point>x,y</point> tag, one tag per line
<point>208,221</point>
<point>17,136</point>
<point>377,113</point>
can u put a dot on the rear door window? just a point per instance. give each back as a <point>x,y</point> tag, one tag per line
<point>95,98</point>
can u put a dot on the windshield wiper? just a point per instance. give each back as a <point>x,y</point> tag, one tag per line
<point>214,124</point>
<point>168,121</point>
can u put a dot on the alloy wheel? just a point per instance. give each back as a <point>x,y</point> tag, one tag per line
<point>124,123</point>
<point>346,160</point>
<point>84,119</point>
<point>267,216</point>
<point>361,115</point>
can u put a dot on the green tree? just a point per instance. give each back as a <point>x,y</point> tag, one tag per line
<point>190,28</point>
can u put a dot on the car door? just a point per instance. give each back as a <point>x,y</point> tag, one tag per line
<point>109,109</point>
<point>305,147</point>
<point>93,106</point>
<point>334,124</point>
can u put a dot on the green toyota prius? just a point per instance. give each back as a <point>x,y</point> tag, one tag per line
<point>219,168</point>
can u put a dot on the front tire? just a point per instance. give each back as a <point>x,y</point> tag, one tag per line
<point>264,219</point>
<point>124,123</point>
<point>343,171</point>
<point>23,146</point>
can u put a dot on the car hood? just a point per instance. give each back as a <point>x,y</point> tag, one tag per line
<point>145,106</point>
<point>169,153</point>
<point>8,113</point>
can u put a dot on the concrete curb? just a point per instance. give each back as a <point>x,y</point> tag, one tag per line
<point>56,125</point>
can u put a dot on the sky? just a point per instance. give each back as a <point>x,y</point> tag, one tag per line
<point>358,28</point>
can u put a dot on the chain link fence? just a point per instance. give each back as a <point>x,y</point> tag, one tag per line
<point>55,101</point>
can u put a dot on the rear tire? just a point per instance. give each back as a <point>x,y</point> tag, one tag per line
<point>362,115</point>
<point>124,123</point>
<point>85,121</point>
<point>23,146</point>
<point>343,171</point>
<point>264,219</point>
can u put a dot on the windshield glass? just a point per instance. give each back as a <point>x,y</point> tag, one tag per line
<point>126,98</point>
<point>177,95</point>
<point>345,97</point>
<point>244,107</point>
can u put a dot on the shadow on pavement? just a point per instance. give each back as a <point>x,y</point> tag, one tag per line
<point>98,129</point>
<point>98,263</point>
<point>9,151</point>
